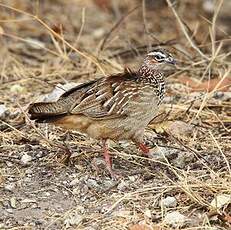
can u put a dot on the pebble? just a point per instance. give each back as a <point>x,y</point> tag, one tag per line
<point>29,171</point>
<point>108,184</point>
<point>132,178</point>
<point>10,187</point>
<point>168,202</point>
<point>175,219</point>
<point>220,201</point>
<point>76,191</point>
<point>74,182</point>
<point>148,213</point>
<point>9,210</point>
<point>122,185</point>
<point>46,194</point>
<point>3,112</point>
<point>9,164</point>
<point>208,6</point>
<point>13,202</point>
<point>26,200</point>
<point>92,184</point>
<point>183,159</point>
<point>161,153</point>
<point>98,33</point>
<point>25,159</point>
<point>17,89</point>
<point>226,96</point>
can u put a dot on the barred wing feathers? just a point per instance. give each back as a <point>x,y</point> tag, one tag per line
<point>104,98</point>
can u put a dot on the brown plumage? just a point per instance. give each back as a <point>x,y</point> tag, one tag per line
<point>118,107</point>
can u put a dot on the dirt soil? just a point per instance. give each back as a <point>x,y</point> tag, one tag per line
<point>186,183</point>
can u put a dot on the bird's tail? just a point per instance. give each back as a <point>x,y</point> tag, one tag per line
<point>47,111</point>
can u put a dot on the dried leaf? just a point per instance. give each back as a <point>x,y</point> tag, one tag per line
<point>175,128</point>
<point>227,218</point>
<point>209,85</point>
<point>140,227</point>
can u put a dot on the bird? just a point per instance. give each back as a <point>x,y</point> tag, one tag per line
<point>116,107</point>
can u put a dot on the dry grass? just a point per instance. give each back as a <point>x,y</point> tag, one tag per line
<point>46,43</point>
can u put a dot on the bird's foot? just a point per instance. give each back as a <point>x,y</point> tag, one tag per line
<point>100,164</point>
<point>108,162</point>
<point>144,149</point>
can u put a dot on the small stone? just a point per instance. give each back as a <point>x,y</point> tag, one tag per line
<point>80,168</point>
<point>74,182</point>
<point>76,191</point>
<point>9,210</point>
<point>208,6</point>
<point>47,194</point>
<point>28,201</point>
<point>220,201</point>
<point>9,164</point>
<point>168,202</point>
<point>148,213</point>
<point>25,159</point>
<point>29,171</point>
<point>161,153</point>
<point>182,159</point>
<point>175,219</point>
<point>3,112</point>
<point>218,95</point>
<point>132,178</point>
<point>92,183</point>
<point>227,96</point>
<point>9,187</point>
<point>122,185</point>
<point>98,162</point>
<point>17,89</point>
<point>13,202</point>
<point>98,33</point>
<point>108,184</point>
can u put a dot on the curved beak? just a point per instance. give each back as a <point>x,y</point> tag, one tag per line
<point>171,61</point>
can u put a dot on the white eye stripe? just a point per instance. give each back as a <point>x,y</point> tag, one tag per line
<point>157,53</point>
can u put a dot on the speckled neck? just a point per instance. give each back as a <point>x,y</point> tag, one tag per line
<point>154,78</point>
<point>151,75</point>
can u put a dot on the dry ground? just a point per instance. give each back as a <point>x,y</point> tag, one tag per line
<point>44,43</point>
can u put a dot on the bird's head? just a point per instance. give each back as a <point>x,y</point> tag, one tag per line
<point>159,59</point>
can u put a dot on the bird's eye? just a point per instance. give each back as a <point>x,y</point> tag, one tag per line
<point>158,57</point>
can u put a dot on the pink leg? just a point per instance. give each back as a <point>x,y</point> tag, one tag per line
<point>144,149</point>
<point>107,158</point>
